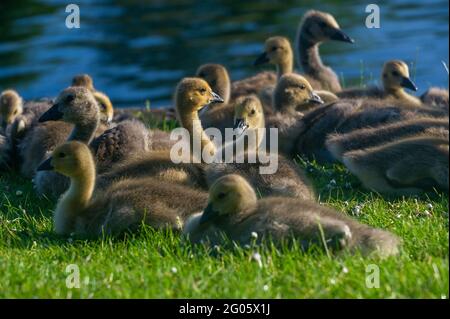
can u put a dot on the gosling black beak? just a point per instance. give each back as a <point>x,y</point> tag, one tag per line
<point>407,83</point>
<point>46,165</point>
<point>216,98</point>
<point>239,127</point>
<point>208,215</point>
<point>52,114</point>
<point>262,59</point>
<point>316,99</point>
<point>339,35</point>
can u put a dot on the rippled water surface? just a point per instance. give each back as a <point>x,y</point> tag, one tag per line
<point>138,52</point>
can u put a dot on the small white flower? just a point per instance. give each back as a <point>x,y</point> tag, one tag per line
<point>257,257</point>
<point>254,235</point>
<point>398,215</point>
<point>430,206</point>
<point>266,288</point>
<point>427,213</point>
<point>174,270</point>
<point>19,193</point>
<point>247,246</point>
<point>333,281</point>
<point>443,297</point>
<point>345,270</point>
<point>357,210</point>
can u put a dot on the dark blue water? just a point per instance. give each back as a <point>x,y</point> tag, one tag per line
<point>138,52</point>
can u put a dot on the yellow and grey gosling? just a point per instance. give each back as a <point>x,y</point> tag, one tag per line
<point>315,28</point>
<point>234,211</point>
<point>406,166</point>
<point>278,52</point>
<point>339,144</point>
<point>122,206</point>
<point>192,94</point>
<point>395,77</point>
<point>293,97</point>
<point>288,180</point>
<point>77,106</point>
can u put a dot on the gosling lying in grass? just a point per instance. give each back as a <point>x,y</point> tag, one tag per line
<point>122,206</point>
<point>234,211</point>
<point>395,77</point>
<point>406,166</point>
<point>339,144</point>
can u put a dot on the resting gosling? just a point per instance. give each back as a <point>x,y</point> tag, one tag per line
<point>233,210</point>
<point>403,167</point>
<point>436,97</point>
<point>395,77</point>
<point>124,205</point>
<point>315,28</point>
<point>339,144</point>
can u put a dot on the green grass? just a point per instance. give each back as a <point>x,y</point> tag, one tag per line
<point>151,264</point>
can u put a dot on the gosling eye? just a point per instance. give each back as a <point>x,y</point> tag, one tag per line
<point>302,87</point>
<point>252,112</point>
<point>274,49</point>
<point>395,73</point>
<point>70,98</point>
<point>15,112</point>
<point>62,155</point>
<point>202,91</point>
<point>102,106</point>
<point>221,195</point>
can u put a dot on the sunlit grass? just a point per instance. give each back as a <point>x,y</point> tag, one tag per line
<point>154,264</point>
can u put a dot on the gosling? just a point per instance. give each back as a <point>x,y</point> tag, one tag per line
<point>233,210</point>
<point>339,144</point>
<point>395,77</point>
<point>404,167</point>
<point>123,206</point>
<point>315,28</point>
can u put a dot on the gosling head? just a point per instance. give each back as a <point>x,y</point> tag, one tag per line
<point>106,107</point>
<point>395,76</point>
<point>293,93</point>
<point>317,26</point>
<point>75,105</point>
<point>11,106</point>
<point>277,51</point>
<point>72,159</point>
<point>192,94</point>
<point>217,77</point>
<point>248,114</point>
<point>228,196</point>
<point>83,80</point>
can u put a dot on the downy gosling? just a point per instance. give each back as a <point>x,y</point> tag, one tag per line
<point>123,206</point>
<point>233,210</point>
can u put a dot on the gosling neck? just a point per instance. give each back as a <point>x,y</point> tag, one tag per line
<point>309,57</point>
<point>75,200</point>
<point>84,132</point>
<point>285,66</point>
<point>191,122</point>
<point>401,94</point>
